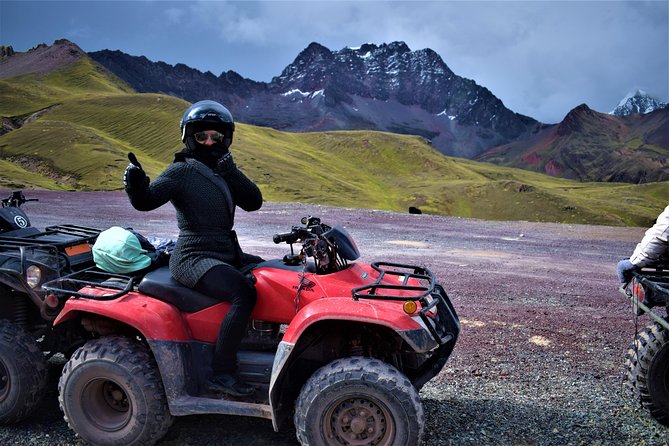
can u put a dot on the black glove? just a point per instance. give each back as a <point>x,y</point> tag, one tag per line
<point>226,164</point>
<point>134,177</point>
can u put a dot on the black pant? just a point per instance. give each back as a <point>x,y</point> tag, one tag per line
<point>226,283</point>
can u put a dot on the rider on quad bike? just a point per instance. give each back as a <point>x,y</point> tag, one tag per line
<point>205,186</point>
<point>645,282</point>
<point>343,347</point>
<point>28,258</point>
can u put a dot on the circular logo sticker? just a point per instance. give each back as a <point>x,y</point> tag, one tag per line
<point>20,221</point>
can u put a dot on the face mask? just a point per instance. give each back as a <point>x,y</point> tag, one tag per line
<point>218,150</point>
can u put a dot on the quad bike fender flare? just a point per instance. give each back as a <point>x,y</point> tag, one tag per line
<point>156,320</point>
<point>380,313</point>
<point>383,313</point>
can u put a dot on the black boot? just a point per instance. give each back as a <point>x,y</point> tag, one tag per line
<point>228,383</point>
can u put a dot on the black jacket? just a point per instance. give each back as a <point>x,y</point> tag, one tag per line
<point>205,202</point>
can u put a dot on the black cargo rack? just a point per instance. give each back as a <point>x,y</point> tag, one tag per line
<point>82,234</point>
<point>75,230</point>
<point>444,326</point>
<point>403,273</point>
<point>656,280</point>
<point>71,284</point>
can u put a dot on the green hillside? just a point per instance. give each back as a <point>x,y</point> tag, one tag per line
<point>81,143</point>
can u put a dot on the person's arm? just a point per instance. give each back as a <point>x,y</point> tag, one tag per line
<point>244,191</point>
<point>654,244</point>
<point>650,251</point>
<point>147,196</point>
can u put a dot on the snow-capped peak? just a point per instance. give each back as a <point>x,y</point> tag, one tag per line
<point>638,102</point>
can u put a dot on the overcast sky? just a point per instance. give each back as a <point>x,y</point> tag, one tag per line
<point>541,58</point>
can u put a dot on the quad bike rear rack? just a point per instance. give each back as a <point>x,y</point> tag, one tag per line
<point>91,279</point>
<point>427,292</point>
<point>657,281</point>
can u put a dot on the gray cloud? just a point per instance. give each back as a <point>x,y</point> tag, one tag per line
<point>541,58</point>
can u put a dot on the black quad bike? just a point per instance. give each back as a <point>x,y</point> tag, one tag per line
<point>647,358</point>
<point>29,258</point>
<point>342,347</point>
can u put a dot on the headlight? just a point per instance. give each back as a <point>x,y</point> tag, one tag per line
<point>33,275</point>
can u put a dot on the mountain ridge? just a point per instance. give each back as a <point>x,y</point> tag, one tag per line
<point>387,87</point>
<point>423,95</point>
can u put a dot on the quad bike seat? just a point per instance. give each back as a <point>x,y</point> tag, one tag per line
<point>160,284</point>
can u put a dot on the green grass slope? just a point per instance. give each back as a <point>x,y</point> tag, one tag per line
<point>387,171</point>
<point>82,141</point>
<point>26,94</point>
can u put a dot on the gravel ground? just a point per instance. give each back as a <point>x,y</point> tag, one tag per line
<point>544,329</point>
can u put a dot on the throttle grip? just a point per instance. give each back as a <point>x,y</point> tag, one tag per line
<point>288,237</point>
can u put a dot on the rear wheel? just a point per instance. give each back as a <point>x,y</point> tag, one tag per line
<point>359,401</point>
<point>23,373</point>
<point>647,370</point>
<point>111,393</point>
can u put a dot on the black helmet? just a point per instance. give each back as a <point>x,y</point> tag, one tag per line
<point>204,115</point>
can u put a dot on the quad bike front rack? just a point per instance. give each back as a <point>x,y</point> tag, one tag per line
<point>427,292</point>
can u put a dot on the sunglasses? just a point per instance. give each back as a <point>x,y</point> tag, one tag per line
<point>204,136</point>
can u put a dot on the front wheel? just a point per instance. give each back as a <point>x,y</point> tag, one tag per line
<point>359,401</point>
<point>647,370</point>
<point>23,373</point>
<point>111,393</point>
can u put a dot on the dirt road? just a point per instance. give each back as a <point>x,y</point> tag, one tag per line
<point>539,359</point>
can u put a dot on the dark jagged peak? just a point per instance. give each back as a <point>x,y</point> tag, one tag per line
<point>233,77</point>
<point>396,47</point>
<point>315,52</point>
<point>313,59</point>
<point>573,122</point>
<point>308,69</point>
<point>366,48</point>
<point>581,109</point>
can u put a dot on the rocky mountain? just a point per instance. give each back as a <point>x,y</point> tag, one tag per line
<point>378,87</point>
<point>42,58</point>
<point>638,103</point>
<point>592,146</point>
<point>384,87</point>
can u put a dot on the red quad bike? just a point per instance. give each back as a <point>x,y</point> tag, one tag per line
<point>343,347</point>
<point>647,358</point>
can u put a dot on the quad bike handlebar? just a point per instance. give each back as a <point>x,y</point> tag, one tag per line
<point>330,247</point>
<point>16,199</point>
<point>312,229</point>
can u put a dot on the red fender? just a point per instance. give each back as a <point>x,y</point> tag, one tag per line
<point>156,320</point>
<point>379,312</point>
